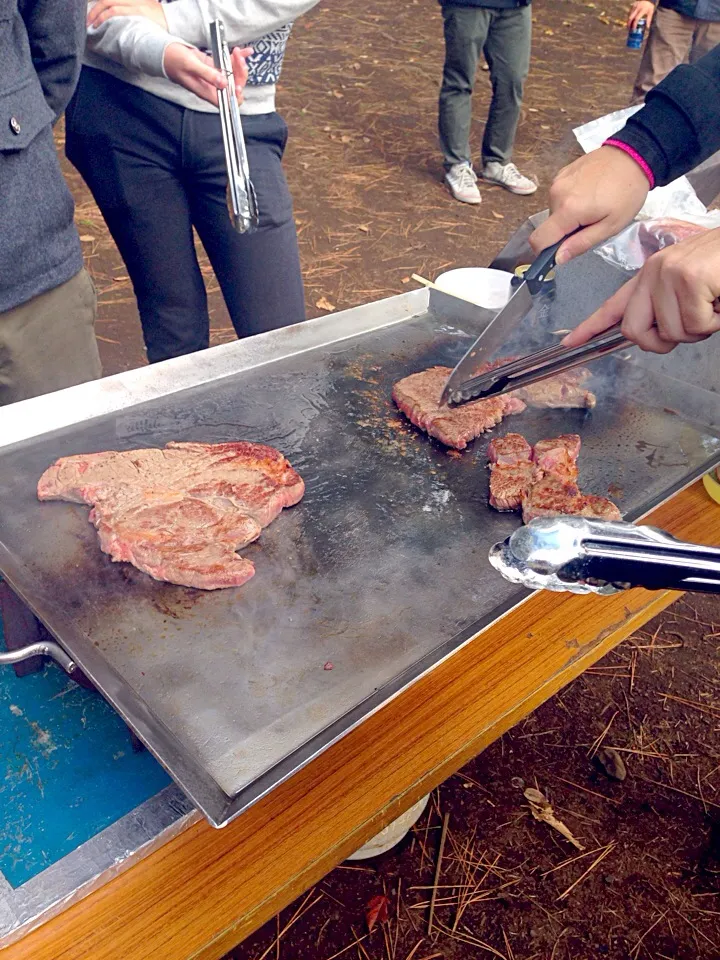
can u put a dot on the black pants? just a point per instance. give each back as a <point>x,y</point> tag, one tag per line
<point>156,170</point>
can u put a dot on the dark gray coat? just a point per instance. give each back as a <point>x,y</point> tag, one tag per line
<point>41,45</point>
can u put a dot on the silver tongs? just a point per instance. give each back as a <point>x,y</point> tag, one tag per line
<point>242,202</point>
<point>581,555</point>
<point>539,366</point>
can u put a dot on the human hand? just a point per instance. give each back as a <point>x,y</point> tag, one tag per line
<point>675,298</point>
<point>601,191</point>
<point>103,10</point>
<point>640,9</point>
<point>195,71</point>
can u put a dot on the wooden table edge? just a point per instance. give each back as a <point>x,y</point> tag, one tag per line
<point>203,891</point>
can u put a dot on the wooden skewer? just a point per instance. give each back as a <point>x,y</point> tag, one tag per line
<point>424,282</point>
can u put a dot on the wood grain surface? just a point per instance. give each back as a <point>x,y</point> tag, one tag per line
<point>205,890</point>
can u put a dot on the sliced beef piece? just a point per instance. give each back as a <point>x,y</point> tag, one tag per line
<point>557,456</point>
<point>600,508</point>
<point>565,390</point>
<point>550,496</point>
<point>542,480</point>
<point>509,483</point>
<point>511,470</point>
<point>181,512</point>
<point>513,448</point>
<point>418,396</point>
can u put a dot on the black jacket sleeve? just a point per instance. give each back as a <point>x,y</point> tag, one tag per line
<point>679,126</point>
<point>56,32</point>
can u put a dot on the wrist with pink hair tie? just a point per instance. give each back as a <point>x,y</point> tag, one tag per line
<point>635,156</point>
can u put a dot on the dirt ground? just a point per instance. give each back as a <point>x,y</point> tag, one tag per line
<point>359,92</point>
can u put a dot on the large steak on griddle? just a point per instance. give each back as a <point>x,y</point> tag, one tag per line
<point>181,512</point>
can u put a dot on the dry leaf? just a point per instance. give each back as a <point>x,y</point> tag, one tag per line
<point>612,763</point>
<point>345,138</point>
<point>376,912</point>
<point>87,238</point>
<point>118,279</point>
<point>324,304</point>
<point>336,93</point>
<point>604,20</point>
<point>549,33</point>
<point>364,227</point>
<point>542,810</point>
<point>498,216</point>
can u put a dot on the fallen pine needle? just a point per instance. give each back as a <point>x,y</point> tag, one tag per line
<point>301,911</point>
<point>566,863</point>
<point>438,869</point>
<point>635,952</point>
<point>596,744</point>
<point>356,941</point>
<point>666,786</point>
<point>592,793</point>
<point>608,849</point>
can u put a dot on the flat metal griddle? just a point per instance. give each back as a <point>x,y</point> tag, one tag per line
<point>378,574</point>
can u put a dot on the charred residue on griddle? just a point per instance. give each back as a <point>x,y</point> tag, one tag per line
<point>615,491</point>
<point>175,602</point>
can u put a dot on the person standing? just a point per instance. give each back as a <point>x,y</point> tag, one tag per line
<point>501,29</point>
<point>47,299</point>
<point>145,135</point>
<point>680,31</point>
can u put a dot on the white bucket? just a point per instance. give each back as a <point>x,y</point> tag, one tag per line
<point>392,834</point>
<point>482,286</point>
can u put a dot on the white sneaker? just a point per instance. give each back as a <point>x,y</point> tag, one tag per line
<point>508,176</point>
<point>462,180</point>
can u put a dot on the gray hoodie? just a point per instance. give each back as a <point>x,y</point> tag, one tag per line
<point>132,48</point>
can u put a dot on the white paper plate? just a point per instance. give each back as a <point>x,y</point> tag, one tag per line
<point>481,285</point>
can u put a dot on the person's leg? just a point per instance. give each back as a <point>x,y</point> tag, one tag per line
<point>706,36</point>
<point>465,31</point>
<point>259,273</point>
<point>125,143</point>
<point>49,342</point>
<point>508,54</point>
<point>667,46</point>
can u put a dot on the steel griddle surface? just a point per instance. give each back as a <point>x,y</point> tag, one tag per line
<point>379,572</point>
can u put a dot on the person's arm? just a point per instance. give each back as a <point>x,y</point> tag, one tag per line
<point>56,32</point>
<point>677,129</point>
<point>679,126</point>
<point>189,20</point>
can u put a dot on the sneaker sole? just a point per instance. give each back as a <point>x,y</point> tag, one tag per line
<point>518,191</point>
<point>472,202</point>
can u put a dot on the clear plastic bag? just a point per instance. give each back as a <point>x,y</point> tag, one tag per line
<point>630,248</point>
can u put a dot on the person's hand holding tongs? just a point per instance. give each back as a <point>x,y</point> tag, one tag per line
<point>674,298</point>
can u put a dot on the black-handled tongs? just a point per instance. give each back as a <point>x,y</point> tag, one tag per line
<point>242,202</point>
<point>582,555</point>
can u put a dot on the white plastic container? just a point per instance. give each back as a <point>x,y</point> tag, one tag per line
<point>392,834</point>
<point>479,285</point>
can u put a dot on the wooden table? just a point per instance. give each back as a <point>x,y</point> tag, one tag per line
<point>204,890</point>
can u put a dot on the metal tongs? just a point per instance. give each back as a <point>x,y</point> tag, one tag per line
<point>581,555</point>
<point>465,384</point>
<point>539,366</point>
<point>242,202</point>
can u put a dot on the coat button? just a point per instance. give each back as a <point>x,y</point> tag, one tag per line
<point>15,125</point>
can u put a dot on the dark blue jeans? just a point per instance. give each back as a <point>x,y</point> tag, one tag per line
<point>156,170</point>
